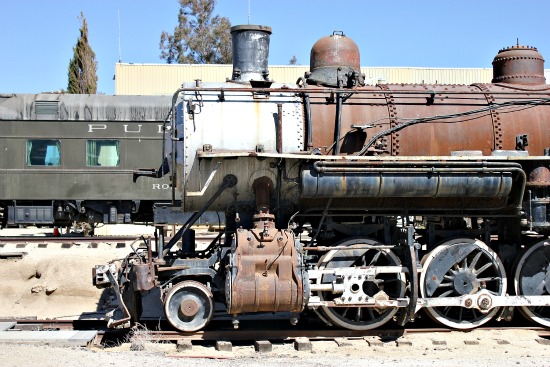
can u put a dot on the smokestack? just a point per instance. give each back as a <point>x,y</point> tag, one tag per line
<point>250,52</point>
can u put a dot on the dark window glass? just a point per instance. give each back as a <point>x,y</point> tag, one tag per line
<point>43,153</point>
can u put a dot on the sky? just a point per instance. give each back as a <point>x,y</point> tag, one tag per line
<point>37,36</point>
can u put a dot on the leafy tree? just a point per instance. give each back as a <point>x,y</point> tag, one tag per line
<point>293,60</point>
<point>83,65</point>
<point>199,37</point>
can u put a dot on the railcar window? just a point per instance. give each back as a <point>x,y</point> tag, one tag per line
<point>102,153</point>
<point>43,153</point>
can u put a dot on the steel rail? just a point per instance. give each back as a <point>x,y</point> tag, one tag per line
<point>77,239</point>
<point>282,334</point>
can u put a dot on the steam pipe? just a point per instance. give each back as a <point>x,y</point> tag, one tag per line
<point>338,123</point>
<point>324,166</point>
<point>279,129</point>
<point>318,90</point>
<point>307,105</point>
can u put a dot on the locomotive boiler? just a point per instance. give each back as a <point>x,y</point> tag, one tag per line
<point>364,204</point>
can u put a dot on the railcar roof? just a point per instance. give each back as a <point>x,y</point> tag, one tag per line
<point>83,107</point>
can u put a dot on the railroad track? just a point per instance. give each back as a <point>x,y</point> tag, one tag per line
<point>264,335</point>
<point>89,239</point>
<point>411,347</point>
<point>17,247</point>
<point>12,246</point>
<point>61,239</point>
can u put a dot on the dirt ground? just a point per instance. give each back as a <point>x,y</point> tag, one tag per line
<point>52,280</point>
<point>491,350</point>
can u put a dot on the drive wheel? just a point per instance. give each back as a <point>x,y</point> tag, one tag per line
<point>532,278</point>
<point>388,285</point>
<point>459,267</point>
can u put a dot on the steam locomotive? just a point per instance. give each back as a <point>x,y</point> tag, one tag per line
<point>363,204</point>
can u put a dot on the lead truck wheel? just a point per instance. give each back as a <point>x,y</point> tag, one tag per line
<point>189,306</point>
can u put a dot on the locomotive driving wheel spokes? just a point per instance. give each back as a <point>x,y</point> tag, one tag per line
<point>383,287</point>
<point>189,306</point>
<point>462,267</point>
<point>532,278</point>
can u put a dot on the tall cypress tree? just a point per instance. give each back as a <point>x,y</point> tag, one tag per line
<point>83,65</point>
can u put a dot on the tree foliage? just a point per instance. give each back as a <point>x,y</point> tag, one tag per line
<point>199,37</point>
<point>293,60</point>
<point>83,65</point>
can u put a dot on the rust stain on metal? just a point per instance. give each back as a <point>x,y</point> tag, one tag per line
<point>144,279</point>
<point>266,279</point>
<point>335,50</point>
<point>518,65</point>
<point>266,263</point>
<point>540,177</point>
